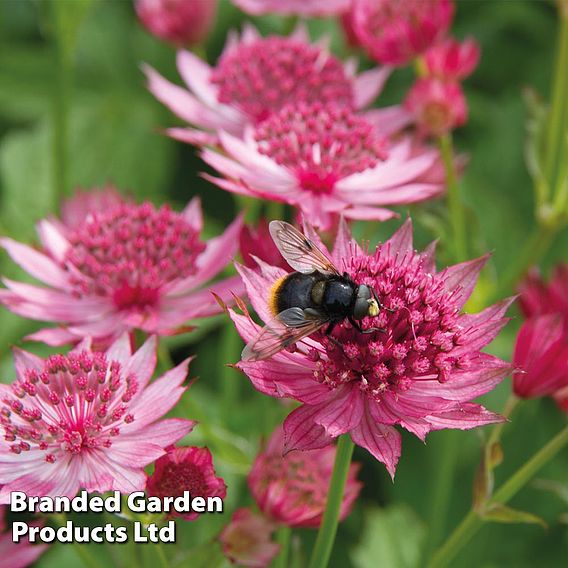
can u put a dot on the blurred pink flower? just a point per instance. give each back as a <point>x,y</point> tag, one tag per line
<point>291,488</point>
<point>186,469</point>
<point>16,555</point>
<point>180,22</point>
<point>246,540</point>
<point>114,266</point>
<point>86,420</point>
<point>420,373</point>
<point>394,32</point>
<point>257,242</point>
<point>537,297</point>
<point>451,60</point>
<point>437,107</point>
<point>307,8</point>
<point>326,160</point>
<point>256,76</point>
<point>561,398</point>
<point>541,357</point>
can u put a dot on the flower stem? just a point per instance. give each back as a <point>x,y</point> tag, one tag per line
<point>231,346</point>
<point>473,522</point>
<point>328,528</point>
<point>283,537</point>
<point>83,552</point>
<point>455,205</point>
<point>164,562</point>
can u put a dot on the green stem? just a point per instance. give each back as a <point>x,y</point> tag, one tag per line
<point>455,205</point>
<point>328,528</point>
<point>164,562</point>
<point>473,522</point>
<point>231,346</point>
<point>283,538</point>
<point>81,549</point>
<point>165,361</point>
<point>510,405</point>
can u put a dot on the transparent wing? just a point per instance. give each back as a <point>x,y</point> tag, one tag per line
<point>284,330</point>
<point>300,253</point>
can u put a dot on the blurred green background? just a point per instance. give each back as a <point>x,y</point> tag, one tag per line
<point>114,137</point>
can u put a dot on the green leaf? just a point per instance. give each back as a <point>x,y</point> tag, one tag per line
<point>499,513</point>
<point>392,538</point>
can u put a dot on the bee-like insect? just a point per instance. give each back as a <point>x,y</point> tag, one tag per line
<point>305,301</point>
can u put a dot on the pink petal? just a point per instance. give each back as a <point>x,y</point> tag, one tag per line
<point>463,417</point>
<point>52,239</point>
<point>193,136</point>
<point>345,247</point>
<point>369,84</point>
<point>54,336</point>
<point>359,212</point>
<point>194,215</point>
<point>400,244</point>
<point>461,278</point>
<point>301,433</point>
<point>342,413</point>
<point>143,362</point>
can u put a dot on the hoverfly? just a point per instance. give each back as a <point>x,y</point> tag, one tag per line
<point>305,301</point>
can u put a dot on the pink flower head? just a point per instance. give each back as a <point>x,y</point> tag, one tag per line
<point>451,60</point>
<point>306,8</point>
<point>292,489</point>
<point>257,242</point>
<point>16,555</point>
<point>541,357</point>
<point>420,370</point>
<point>326,161</point>
<point>180,22</point>
<point>254,77</point>
<point>186,469</point>
<point>396,31</point>
<point>86,420</point>
<point>438,107</point>
<point>539,297</point>
<point>113,266</point>
<point>246,540</point>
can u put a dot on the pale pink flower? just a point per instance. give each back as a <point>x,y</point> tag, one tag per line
<point>326,161</point>
<point>451,60</point>
<point>180,22</point>
<point>421,372</point>
<point>186,469</point>
<point>394,32</point>
<point>291,488</point>
<point>246,540</point>
<point>86,420</point>
<point>256,76</point>
<point>16,555</point>
<point>438,107</point>
<point>113,266</point>
<point>306,8</point>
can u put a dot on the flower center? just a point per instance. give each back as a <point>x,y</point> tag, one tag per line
<point>130,252</point>
<point>260,77</point>
<point>77,403</point>
<point>420,331</point>
<point>177,478</point>
<point>320,143</point>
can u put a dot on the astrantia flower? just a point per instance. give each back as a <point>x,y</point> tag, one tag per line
<point>86,420</point>
<point>326,160</point>
<point>181,22</point>
<point>254,77</point>
<point>538,297</point>
<point>114,266</point>
<point>246,540</point>
<point>307,8</point>
<point>16,555</point>
<point>437,107</point>
<point>421,372</point>
<point>451,60</point>
<point>541,357</point>
<point>396,31</point>
<point>186,469</point>
<point>292,489</point>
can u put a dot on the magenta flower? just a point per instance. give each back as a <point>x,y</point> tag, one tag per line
<point>256,76</point>
<point>421,372</point>
<point>291,489</point>
<point>246,540</point>
<point>451,60</point>
<point>16,555</point>
<point>180,22</point>
<point>326,161</point>
<point>306,8</point>
<point>538,297</point>
<point>437,107</point>
<point>113,266</point>
<point>186,469</point>
<point>541,357</point>
<point>394,32</point>
<point>86,420</point>
<point>257,242</point>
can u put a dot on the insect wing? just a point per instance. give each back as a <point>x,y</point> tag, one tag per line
<point>284,330</point>
<point>300,253</point>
